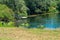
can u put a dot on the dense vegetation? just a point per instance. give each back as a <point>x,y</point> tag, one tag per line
<point>14,9</point>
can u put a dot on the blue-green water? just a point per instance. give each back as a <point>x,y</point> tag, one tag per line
<point>48,21</point>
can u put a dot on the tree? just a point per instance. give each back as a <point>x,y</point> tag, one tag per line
<point>18,7</point>
<point>37,6</point>
<point>6,12</point>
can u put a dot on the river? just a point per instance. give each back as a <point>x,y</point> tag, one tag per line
<point>50,21</point>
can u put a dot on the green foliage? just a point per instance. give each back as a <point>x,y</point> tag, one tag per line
<point>6,12</point>
<point>41,26</point>
<point>22,8</point>
<point>31,6</point>
<point>9,24</point>
<point>25,25</point>
<point>15,8</point>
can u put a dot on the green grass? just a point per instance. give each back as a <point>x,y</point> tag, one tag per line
<point>4,38</point>
<point>10,24</point>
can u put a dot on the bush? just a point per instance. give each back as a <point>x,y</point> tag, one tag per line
<point>41,26</point>
<point>6,12</point>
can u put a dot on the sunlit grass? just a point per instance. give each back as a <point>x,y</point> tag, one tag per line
<point>9,24</point>
<point>14,33</point>
<point>4,38</point>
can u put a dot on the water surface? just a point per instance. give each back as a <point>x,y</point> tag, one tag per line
<point>51,21</point>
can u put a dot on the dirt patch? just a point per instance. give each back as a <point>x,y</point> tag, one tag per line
<point>22,34</point>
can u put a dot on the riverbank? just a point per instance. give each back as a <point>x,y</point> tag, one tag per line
<point>14,33</point>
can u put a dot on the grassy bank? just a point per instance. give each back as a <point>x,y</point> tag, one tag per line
<point>14,33</point>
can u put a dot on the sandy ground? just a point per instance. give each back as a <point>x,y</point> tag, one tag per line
<point>23,34</point>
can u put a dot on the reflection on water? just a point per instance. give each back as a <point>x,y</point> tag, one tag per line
<point>48,21</point>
